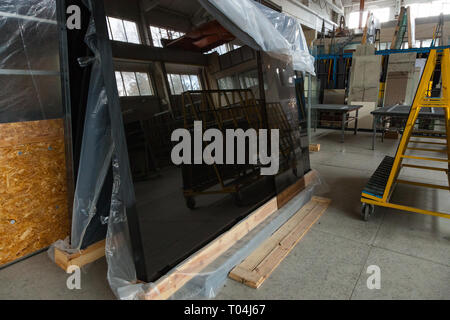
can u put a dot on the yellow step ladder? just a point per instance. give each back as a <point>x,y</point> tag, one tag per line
<point>381,185</point>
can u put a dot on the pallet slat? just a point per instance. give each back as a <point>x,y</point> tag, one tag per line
<point>257,267</point>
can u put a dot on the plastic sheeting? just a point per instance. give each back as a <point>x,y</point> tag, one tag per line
<point>275,33</point>
<point>29,61</point>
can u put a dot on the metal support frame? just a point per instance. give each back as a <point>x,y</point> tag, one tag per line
<point>421,100</point>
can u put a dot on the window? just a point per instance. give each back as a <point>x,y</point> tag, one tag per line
<point>225,48</point>
<point>180,83</point>
<point>228,83</point>
<point>131,84</point>
<point>381,14</point>
<point>243,80</point>
<point>430,8</point>
<point>426,43</point>
<point>248,79</point>
<point>161,33</point>
<point>385,45</point>
<point>123,30</point>
<point>220,50</point>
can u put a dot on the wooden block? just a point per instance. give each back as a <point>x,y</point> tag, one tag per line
<point>33,187</point>
<point>257,267</point>
<point>82,258</point>
<point>290,192</point>
<point>314,147</point>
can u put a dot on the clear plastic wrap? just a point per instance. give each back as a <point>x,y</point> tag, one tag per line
<point>29,61</point>
<point>275,33</point>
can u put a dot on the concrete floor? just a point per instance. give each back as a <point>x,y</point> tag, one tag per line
<point>412,250</point>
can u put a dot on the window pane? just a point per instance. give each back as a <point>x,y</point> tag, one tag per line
<point>129,80</point>
<point>164,34</point>
<point>131,32</point>
<point>156,37</point>
<point>109,29</point>
<point>117,30</point>
<point>426,43</point>
<point>195,83</point>
<point>119,82</point>
<point>186,82</point>
<point>176,82</point>
<point>144,84</point>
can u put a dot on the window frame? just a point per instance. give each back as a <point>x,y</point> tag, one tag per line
<point>168,31</point>
<point>150,82</point>
<point>172,91</point>
<point>111,35</point>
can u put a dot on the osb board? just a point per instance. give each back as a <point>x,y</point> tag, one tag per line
<point>258,266</point>
<point>33,196</point>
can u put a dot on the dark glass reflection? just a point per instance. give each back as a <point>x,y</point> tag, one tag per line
<point>183,207</point>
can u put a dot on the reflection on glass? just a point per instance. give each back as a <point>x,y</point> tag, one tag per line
<point>119,82</point>
<point>144,84</point>
<point>195,82</point>
<point>177,87</point>
<point>129,80</point>
<point>186,82</point>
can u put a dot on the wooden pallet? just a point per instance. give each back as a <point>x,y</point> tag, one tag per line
<point>82,258</point>
<point>257,267</point>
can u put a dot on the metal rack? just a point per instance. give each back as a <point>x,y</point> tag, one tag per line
<point>220,109</point>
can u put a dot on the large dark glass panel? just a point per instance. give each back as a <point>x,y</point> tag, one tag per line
<point>283,114</point>
<point>183,207</point>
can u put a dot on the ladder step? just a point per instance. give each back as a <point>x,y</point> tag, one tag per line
<point>426,185</point>
<point>377,183</point>
<point>428,142</point>
<point>429,150</point>
<point>425,158</point>
<point>430,132</point>
<point>425,167</point>
<point>428,137</point>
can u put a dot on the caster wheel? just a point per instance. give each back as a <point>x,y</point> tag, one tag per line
<point>367,210</point>
<point>190,202</point>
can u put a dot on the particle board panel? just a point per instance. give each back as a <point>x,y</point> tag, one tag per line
<point>257,267</point>
<point>33,187</point>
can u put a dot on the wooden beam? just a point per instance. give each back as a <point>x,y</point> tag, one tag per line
<point>257,267</point>
<point>179,276</point>
<point>82,258</point>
